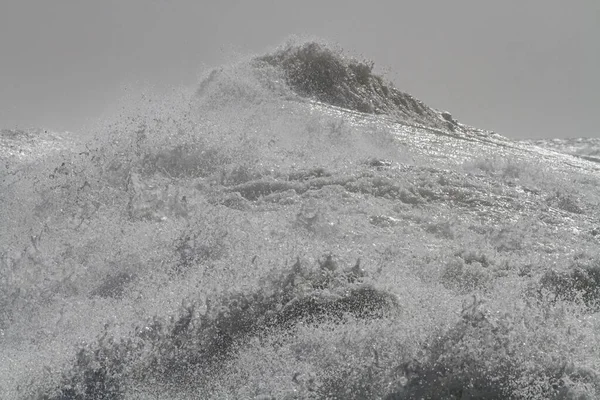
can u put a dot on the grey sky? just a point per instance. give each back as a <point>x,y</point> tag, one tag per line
<point>525,68</point>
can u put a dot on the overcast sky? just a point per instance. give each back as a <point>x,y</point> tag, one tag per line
<point>524,68</point>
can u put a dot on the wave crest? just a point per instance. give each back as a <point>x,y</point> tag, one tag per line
<point>317,71</point>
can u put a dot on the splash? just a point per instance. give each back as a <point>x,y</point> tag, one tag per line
<point>294,227</point>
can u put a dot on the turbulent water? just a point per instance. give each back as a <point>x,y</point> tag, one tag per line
<point>586,148</point>
<point>296,228</point>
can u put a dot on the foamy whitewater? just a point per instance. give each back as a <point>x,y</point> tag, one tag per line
<point>296,228</point>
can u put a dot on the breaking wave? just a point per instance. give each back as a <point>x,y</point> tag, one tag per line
<point>319,72</point>
<point>295,227</point>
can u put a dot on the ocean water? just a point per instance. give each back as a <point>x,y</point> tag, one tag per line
<point>294,227</point>
<point>586,148</point>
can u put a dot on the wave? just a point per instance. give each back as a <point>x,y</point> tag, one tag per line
<point>586,148</point>
<point>27,144</point>
<point>319,72</point>
<point>294,227</point>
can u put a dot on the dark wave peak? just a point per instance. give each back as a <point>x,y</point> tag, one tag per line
<point>317,71</point>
